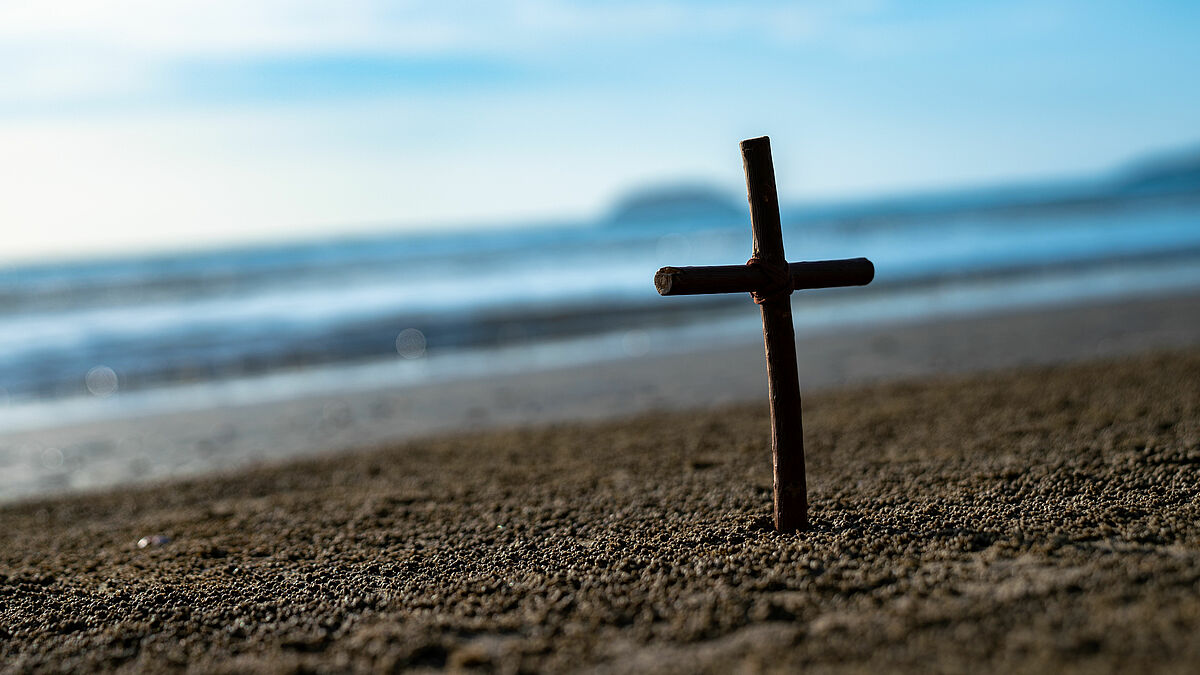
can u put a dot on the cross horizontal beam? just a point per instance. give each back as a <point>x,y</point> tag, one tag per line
<point>750,278</point>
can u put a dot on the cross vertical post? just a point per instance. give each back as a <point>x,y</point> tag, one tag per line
<point>779,340</point>
<point>770,280</point>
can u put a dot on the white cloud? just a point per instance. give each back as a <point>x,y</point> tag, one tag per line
<point>63,75</point>
<point>217,27</point>
<point>225,27</point>
<point>83,48</point>
<point>72,49</point>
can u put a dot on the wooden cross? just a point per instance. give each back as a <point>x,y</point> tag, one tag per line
<point>770,279</point>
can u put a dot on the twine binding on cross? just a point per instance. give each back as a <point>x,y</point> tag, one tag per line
<point>779,280</point>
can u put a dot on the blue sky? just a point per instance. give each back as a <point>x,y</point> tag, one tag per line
<point>148,124</point>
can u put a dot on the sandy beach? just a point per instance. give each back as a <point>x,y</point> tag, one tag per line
<point>1041,518</point>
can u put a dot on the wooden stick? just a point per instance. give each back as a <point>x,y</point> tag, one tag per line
<point>783,384</point>
<point>745,278</point>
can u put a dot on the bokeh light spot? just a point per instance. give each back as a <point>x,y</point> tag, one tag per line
<point>410,343</point>
<point>101,381</point>
<point>52,458</point>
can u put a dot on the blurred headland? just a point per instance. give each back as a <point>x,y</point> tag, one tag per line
<point>676,202</point>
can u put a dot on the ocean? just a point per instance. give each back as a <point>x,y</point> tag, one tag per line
<point>128,336</point>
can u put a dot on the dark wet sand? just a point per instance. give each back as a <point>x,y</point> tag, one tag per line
<point>1039,519</point>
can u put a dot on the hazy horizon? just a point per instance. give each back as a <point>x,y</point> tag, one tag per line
<point>361,231</point>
